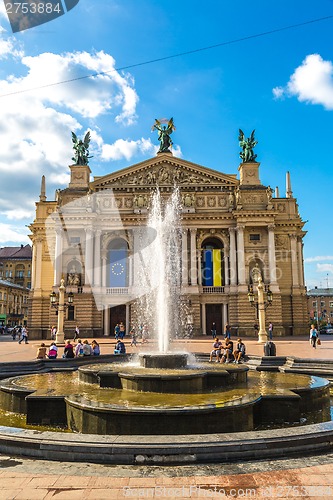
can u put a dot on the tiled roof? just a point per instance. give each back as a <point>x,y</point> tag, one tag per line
<point>327,292</point>
<point>22,252</point>
<point>13,285</point>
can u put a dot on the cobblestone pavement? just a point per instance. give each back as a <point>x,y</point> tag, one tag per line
<point>25,479</point>
<point>305,477</point>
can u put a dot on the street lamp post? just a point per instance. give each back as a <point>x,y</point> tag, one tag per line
<point>261,306</point>
<point>61,306</point>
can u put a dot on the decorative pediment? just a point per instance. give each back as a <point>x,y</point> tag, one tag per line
<point>164,171</point>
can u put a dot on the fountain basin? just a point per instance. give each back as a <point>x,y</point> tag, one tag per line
<point>266,399</point>
<point>163,360</point>
<point>175,381</point>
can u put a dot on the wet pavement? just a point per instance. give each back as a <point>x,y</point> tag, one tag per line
<point>297,477</point>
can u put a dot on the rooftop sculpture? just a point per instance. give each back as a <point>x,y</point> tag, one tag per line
<point>81,149</point>
<point>164,133</point>
<point>247,146</point>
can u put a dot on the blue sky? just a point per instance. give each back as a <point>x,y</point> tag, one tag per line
<point>280,84</point>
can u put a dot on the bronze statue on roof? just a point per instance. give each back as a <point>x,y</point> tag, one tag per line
<point>81,149</point>
<point>164,133</point>
<point>247,146</point>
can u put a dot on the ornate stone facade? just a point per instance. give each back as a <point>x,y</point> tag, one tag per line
<point>75,235</point>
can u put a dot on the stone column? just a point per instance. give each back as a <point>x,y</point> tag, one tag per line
<point>33,264</point>
<point>203,318</point>
<point>300,261</point>
<point>127,322</point>
<point>294,259</point>
<point>58,257</point>
<point>194,273</point>
<point>261,313</point>
<point>233,268</point>
<point>199,267</point>
<point>184,258</point>
<point>60,336</point>
<point>130,269</point>
<point>271,254</point>
<point>89,257</point>
<point>97,258</point>
<point>225,317</point>
<point>104,267</point>
<point>106,314</point>
<point>226,270</point>
<point>240,255</point>
<point>38,263</point>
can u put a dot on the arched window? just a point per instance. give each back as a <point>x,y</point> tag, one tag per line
<point>117,263</point>
<point>212,263</point>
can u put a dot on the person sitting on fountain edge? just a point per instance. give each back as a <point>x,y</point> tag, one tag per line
<point>216,350</point>
<point>227,353</point>
<point>120,347</point>
<point>239,352</point>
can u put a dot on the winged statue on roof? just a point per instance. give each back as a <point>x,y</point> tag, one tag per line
<point>81,148</point>
<point>247,145</point>
<point>164,132</point>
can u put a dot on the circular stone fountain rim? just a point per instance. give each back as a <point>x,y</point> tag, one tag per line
<point>101,407</point>
<point>150,449</point>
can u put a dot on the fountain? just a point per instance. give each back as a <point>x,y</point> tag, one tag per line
<point>165,393</point>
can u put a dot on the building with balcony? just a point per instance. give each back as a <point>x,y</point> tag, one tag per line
<point>13,304</point>
<point>229,225</point>
<point>16,265</point>
<point>320,305</point>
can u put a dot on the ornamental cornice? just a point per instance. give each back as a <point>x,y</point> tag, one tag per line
<point>164,170</point>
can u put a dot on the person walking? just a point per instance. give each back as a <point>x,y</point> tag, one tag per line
<point>133,338</point>
<point>76,333</point>
<point>227,331</point>
<point>24,335</point>
<point>53,332</point>
<point>313,336</point>
<point>121,330</point>
<point>116,331</point>
<point>213,330</point>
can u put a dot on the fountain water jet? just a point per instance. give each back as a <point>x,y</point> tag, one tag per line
<point>160,269</point>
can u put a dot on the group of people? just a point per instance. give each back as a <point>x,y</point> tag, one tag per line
<point>225,352</point>
<point>119,331</point>
<point>71,350</point>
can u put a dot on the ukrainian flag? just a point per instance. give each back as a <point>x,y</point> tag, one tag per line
<point>212,267</point>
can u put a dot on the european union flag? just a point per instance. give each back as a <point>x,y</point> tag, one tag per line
<point>118,268</point>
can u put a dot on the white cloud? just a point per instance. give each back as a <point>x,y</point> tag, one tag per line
<point>36,126</point>
<point>311,82</point>
<point>89,97</point>
<point>325,268</point>
<point>126,149</point>
<point>318,258</point>
<point>278,92</point>
<point>18,214</point>
<point>8,48</point>
<point>11,234</point>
